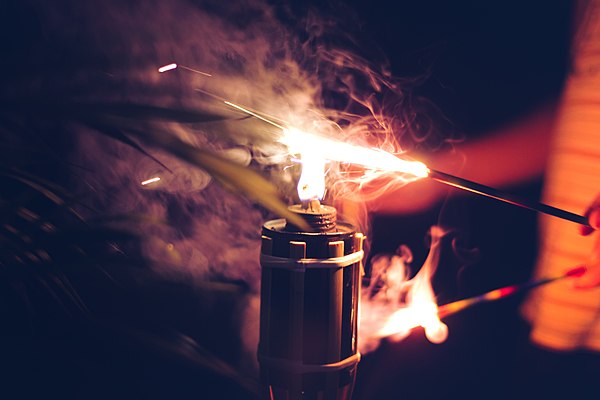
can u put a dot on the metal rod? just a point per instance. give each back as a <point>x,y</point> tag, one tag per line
<point>496,294</point>
<point>506,197</point>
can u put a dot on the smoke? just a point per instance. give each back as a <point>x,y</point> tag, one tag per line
<point>296,69</point>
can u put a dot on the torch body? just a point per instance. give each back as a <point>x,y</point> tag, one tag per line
<point>310,289</point>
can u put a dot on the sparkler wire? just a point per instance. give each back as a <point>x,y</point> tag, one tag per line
<point>506,197</point>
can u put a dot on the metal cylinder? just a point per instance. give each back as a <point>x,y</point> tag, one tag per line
<point>309,311</point>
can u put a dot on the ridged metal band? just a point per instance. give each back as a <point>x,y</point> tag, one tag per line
<point>304,263</point>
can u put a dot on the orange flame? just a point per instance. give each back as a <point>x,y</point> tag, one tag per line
<point>400,305</point>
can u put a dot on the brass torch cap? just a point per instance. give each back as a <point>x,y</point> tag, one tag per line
<point>320,218</point>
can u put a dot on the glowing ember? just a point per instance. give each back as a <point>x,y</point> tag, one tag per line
<point>149,181</point>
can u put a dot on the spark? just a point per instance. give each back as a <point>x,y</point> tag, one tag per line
<point>151,180</point>
<point>172,66</point>
<point>167,67</point>
<point>195,70</point>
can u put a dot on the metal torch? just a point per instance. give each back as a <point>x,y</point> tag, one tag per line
<point>310,289</point>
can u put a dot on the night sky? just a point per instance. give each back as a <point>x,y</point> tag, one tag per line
<point>486,63</point>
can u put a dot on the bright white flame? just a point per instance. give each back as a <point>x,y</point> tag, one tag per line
<point>151,180</point>
<point>167,67</point>
<point>301,142</point>
<point>377,162</point>
<point>312,180</point>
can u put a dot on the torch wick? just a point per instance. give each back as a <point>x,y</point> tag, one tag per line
<point>313,205</point>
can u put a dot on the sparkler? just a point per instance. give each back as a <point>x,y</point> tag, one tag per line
<point>452,308</point>
<point>407,170</point>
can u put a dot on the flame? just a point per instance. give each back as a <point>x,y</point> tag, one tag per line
<point>392,305</point>
<point>311,184</point>
<point>316,150</point>
<point>422,311</point>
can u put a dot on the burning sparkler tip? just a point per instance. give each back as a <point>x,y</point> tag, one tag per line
<point>577,272</point>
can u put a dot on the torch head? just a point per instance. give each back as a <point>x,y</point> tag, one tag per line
<point>320,218</point>
<point>309,306</point>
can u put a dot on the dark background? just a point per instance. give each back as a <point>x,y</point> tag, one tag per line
<point>488,63</point>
